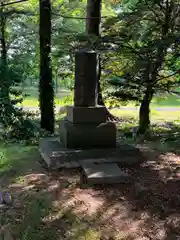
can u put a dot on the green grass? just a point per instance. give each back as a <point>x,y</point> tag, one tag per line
<point>32,99</point>
<point>33,102</point>
<point>169,101</point>
<point>12,157</point>
<point>156,116</point>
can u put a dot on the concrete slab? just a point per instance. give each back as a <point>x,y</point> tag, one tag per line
<point>57,156</point>
<point>104,173</point>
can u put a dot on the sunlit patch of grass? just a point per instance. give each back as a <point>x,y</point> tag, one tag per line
<point>31,100</point>
<point>166,101</point>
<point>155,115</point>
<point>121,113</point>
<point>165,116</point>
<point>88,234</point>
<point>13,157</point>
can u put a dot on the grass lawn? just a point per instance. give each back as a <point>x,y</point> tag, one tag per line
<point>32,99</point>
<point>156,116</point>
<point>50,205</point>
<point>169,101</point>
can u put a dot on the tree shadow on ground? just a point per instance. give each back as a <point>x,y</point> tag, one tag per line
<point>152,201</point>
<point>51,204</point>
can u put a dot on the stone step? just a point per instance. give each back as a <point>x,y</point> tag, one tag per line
<point>103,174</point>
<point>56,156</point>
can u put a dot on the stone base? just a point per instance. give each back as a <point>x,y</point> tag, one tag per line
<point>88,115</point>
<point>103,174</point>
<point>56,156</point>
<point>87,135</point>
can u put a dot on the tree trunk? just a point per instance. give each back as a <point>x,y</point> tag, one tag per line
<point>46,84</point>
<point>4,81</point>
<point>5,101</point>
<point>93,17</point>
<point>56,82</point>
<point>144,118</point>
<point>93,28</point>
<point>144,112</point>
<point>3,42</point>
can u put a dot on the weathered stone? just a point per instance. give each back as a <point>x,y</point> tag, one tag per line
<point>87,135</point>
<point>86,79</point>
<point>86,114</point>
<point>56,156</point>
<point>104,173</point>
<point>121,160</point>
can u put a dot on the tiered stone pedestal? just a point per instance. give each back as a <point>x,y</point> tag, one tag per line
<point>87,140</point>
<point>86,127</point>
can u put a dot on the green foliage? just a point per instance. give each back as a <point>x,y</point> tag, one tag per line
<point>137,40</point>
<point>145,40</point>
<point>14,123</point>
<point>23,60</point>
<point>131,32</point>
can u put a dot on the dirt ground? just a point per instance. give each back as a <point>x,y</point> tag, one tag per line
<point>51,205</point>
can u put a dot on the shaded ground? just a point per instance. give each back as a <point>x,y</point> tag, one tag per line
<point>51,205</point>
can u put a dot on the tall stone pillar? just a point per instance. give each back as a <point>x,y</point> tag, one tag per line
<point>86,79</point>
<point>86,124</point>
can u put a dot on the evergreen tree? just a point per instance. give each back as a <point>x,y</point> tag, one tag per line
<point>146,33</point>
<point>9,97</point>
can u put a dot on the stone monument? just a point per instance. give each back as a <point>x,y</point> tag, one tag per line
<point>87,138</point>
<point>86,123</point>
